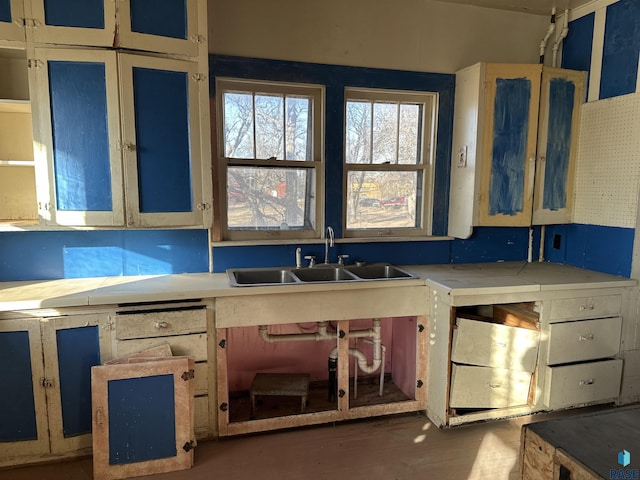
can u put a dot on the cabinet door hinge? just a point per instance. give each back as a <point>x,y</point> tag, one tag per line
<point>191,374</point>
<point>198,39</point>
<point>110,325</point>
<point>223,343</point>
<point>47,382</point>
<point>35,63</point>
<point>419,384</point>
<point>199,77</point>
<point>420,328</point>
<point>190,445</point>
<point>44,207</point>
<point>28,22</point>
<point>203,206</point>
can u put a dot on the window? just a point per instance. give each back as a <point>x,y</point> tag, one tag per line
<point>389,143</point>
<point>270,159</point>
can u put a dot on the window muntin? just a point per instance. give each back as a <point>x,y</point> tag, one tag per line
<point>271,147</point>
<point>389,138</point>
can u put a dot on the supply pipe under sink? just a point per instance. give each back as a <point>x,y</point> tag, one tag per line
<point>322,334</point>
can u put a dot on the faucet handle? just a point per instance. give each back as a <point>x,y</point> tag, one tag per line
<point>312,260</point>
<point>341,259</point>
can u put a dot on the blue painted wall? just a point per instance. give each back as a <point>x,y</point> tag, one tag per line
<point>604,249</point>
<point>576,48</point>
<point>95,253</point>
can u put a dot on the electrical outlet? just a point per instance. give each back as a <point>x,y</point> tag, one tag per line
<point>462,157</point>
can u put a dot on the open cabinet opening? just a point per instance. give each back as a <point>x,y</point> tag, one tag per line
<point>303,373</point>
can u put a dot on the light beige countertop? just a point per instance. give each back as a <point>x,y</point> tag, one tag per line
<point>467,278</point>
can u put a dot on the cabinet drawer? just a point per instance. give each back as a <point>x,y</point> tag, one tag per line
<point>484,387</point>
<point>582,383</point>
<point>161,323</point>
<point>494,345</point>
<point>585,307</point>
<point>583,340</point>
<point>194,345</point>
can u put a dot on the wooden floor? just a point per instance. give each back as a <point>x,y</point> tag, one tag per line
<point>385,448</point>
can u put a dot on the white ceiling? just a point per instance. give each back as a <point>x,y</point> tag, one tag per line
<point>539,7</point>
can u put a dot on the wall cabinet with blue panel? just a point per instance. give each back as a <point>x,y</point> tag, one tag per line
<point>12,26</point>
<point>515,133</point>
<point>46,363</point>
<point>169,26</point>
<point>118,139</point>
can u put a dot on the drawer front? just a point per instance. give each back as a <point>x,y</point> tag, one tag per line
<point>494,345</point>
<point>585,307</point>
<point>194,345</point>
<point>160,323</point>
<point>583,340</point>
<point>484,387</point>
<point>582,383</point>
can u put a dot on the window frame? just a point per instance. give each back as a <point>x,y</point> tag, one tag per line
<point>425,165</point>
<point>316,165</point>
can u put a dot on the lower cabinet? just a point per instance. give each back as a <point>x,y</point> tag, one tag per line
<point>544,351</point>
<point>285,375</point>
<point>184,328</point>
<point>46,362</point>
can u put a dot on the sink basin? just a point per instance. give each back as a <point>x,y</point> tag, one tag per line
<point>374,272</point>
<point>323,274</point>
<point>260,276</point>
<point>253,277</point>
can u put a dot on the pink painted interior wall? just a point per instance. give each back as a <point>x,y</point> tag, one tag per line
<point>248,354</point>
<point>404,355</point>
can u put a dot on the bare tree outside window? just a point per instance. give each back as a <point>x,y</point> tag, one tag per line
<point>270,158</point>
<point>386,164</point>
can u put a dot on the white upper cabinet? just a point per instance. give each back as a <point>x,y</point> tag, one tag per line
<point>12,22</point>
<point>167,26</point>
<point>77,137</point>
<point>514,141</point>
<point>118,139</point>
<point>69,22</point>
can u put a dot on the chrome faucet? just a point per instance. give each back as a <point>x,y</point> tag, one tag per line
<point>329,241</point>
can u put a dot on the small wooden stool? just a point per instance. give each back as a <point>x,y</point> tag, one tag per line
<point>280,384</point>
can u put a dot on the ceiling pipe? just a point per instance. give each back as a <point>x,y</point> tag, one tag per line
<point>563,35</point>
<point>551,29</point>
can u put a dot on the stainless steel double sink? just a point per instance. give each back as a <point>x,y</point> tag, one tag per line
<point>322,273</point>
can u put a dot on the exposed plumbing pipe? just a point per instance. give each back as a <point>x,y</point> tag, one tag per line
<point>321,334</point>
<point>355,370</point>
<point>360,357</point>
<point>552,27</point>
<point>563,35</point>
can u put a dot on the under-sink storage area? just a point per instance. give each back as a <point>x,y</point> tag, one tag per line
<point>280,366</point>
<point>304,373</point>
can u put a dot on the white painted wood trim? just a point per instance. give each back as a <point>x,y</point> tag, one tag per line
<point>597,50</point>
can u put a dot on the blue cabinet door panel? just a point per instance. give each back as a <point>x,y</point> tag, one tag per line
<point>78,351</point>
<point>167,18</point>
<point>561,97</point>
<point>141,419</point>
<point>17,405</point>
<point>511,122</point>
<point>620,51</point>
<point>5,11</point>
<point>161,106</point>
<point>80,136</point>
<point>74,13</point>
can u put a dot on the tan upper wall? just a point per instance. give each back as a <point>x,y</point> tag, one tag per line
<point>418,35</point>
